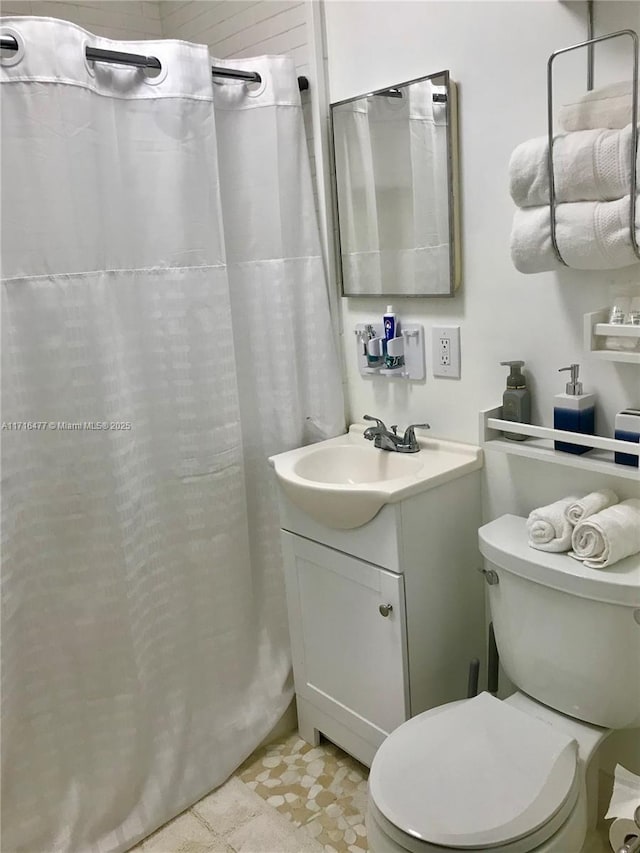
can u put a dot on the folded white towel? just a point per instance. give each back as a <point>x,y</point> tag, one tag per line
<point>591,235</point>
<point>609,107</point>
<point>548,527</point>
<point>589,505</point>
<point>592,165</point>
<point>608,536</point>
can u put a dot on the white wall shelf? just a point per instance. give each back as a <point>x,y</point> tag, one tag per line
<point>539,446</point>
<point>596,332</point>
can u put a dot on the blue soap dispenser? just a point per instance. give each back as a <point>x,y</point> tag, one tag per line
<point>574,411</point>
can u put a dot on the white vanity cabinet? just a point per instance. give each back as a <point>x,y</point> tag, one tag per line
<point>383,618</point>
<point>338,631</point>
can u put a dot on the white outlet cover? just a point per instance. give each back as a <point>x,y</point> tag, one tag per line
<point>445,351</point>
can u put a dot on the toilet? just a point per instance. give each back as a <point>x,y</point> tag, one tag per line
<point>516,775</point>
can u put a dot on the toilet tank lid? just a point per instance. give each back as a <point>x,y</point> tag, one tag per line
<point>504,542</point>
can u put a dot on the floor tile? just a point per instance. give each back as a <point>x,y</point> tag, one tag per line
<point>270,833</point>
<point>229,807</point>
<point>185,834</point>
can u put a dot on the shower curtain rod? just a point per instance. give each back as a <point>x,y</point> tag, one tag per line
<point>96,54</point>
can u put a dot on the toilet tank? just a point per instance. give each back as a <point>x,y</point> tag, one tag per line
<point>568,636</point>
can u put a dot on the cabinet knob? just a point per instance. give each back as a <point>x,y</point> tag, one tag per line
<point>385,609</point>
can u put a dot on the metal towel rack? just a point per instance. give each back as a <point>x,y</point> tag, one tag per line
<point>117,57</point>
<point>634,133</point>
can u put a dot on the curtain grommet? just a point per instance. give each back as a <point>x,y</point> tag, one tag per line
<point>254,90</point>
<point>155,76</point>
<point>249,89</point>
<point>12,57</point>
<point>89,63</point>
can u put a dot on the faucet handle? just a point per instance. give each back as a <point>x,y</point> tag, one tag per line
<point>409,433</point>
<point>380,424</point>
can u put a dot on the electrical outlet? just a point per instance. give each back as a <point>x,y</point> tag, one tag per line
<point>445,346</point>
<point>444,352</point>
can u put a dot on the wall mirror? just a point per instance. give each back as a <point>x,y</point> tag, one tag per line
<point>396,175</point>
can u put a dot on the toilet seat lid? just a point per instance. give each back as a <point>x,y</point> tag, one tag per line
<point>477,773</point>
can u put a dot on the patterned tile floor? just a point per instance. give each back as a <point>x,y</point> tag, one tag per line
<point>321,789</point>
<point>289,797</point>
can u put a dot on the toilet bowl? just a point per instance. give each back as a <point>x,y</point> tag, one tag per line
<point>517,775</point>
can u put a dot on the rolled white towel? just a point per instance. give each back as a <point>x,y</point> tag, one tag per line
<point>609,107</point>
<point>591,235</point>
<point>589,505</point>
<point>548,527</point>
<point>608,536</point>
<point>591,165</point>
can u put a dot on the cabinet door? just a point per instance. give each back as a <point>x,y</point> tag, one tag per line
<point>349,659</point>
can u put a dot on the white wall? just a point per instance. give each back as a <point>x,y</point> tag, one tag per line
<point>240,27</point>
<point>497,52</point>
<point>117,19</point>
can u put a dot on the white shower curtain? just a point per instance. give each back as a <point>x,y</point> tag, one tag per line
<point>144,645</point>
<point>280,318</point>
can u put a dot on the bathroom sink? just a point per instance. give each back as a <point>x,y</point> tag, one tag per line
<point>345,481</point>
<point>345,464</point>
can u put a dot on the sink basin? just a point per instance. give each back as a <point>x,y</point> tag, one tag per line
<point>345,481</point>
<point>345,464</point>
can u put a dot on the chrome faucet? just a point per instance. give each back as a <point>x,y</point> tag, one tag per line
<point>385,439</point>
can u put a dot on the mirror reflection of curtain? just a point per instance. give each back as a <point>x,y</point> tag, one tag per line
<point>357,202</point>
<point>391,158</point>
<point>429,259</point>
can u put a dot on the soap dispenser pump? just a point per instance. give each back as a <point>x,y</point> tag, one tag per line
<point>574,411</point>
<point>516,400</point>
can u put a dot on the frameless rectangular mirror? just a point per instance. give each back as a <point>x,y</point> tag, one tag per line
<point>396,175</point>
